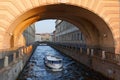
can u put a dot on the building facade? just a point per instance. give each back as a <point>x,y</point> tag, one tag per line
<point>42,37</point>
<point>37,37</point>
<point>66,32</point>
<point>52,36</point>
<point>29,34</point>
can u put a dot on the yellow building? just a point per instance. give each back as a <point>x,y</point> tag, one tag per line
<point>43,37</point>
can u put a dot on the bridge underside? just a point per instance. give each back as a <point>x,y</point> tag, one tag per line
<point>98,20</point>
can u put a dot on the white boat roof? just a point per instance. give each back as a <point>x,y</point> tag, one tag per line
<point>53,58</point>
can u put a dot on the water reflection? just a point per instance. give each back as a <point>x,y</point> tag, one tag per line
<point>36,70</point>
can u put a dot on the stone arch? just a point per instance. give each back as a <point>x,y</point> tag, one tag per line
<point>105,18</point>
<point>84,19</point>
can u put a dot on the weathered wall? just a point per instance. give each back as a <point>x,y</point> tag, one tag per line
<point>12,62</point>
<point>11,72</point>
<point>105,66</point>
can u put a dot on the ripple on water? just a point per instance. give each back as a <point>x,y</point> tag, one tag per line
<point>36,70</point>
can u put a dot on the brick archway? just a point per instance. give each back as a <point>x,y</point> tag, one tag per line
<point>103,23</point>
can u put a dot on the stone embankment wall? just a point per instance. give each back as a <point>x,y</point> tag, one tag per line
<point>103,64</point>
<point>14,61</point>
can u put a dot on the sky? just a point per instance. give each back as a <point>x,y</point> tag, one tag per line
<point>45,26</point>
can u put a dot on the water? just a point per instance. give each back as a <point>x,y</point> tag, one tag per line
<point>36,70</point>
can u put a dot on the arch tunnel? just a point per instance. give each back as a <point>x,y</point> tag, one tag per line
<point>97,33</point>
<point>97,20</point>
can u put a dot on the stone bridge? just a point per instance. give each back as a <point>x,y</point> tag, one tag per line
<point>98,20</point>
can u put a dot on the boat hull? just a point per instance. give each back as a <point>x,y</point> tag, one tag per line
<point>54,63</point>
<point>55,66</point>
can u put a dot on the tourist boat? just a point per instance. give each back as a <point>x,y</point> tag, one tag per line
<point>53,62</point>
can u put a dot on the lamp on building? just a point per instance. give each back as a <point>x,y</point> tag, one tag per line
<point>104,35</point>
<point>10,34</point>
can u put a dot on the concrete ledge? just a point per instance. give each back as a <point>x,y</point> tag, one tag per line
<point>11,72</point>
<point>106,67</point>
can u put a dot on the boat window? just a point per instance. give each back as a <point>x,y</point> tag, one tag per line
<point>54,62</point>
<point>57,62</point>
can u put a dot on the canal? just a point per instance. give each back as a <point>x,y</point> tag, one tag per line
<point>36,70</point>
